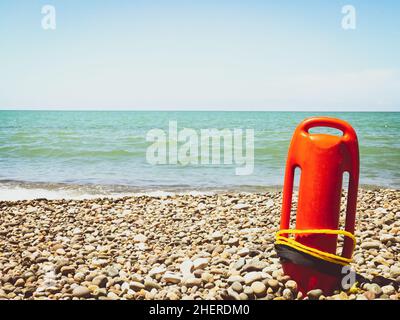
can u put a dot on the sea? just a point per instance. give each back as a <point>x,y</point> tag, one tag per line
<point>86,154</point>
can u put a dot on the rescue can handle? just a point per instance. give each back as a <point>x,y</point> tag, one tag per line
<point>350,136</point>
<point>347,130</point>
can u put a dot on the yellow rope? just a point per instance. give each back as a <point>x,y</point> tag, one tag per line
<point>312,251</point>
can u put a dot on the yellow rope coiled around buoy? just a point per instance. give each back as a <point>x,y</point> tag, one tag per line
<point>312,251</point>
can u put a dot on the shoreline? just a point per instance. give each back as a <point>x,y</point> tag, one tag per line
<point>216,246</point>
<point>11,190</point>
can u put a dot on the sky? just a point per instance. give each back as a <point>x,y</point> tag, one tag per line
<point>200,55</point>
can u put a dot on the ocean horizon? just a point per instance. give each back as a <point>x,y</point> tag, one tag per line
<point>103,153</point>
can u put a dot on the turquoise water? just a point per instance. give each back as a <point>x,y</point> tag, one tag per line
<point>109,149</point>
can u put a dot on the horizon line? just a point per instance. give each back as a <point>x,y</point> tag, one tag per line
<point>347,110</point>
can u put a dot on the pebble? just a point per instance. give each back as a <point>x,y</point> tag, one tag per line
<point>269,204</point>
<point>217,235</point>
<point>171,278</point>
<point>273,284</point>
<point>100,281</point>
<point>236,278</point>
<point>251,277</point>
<point>172,296</point>
<point>343,296</point>
<point>395,271</point>
<point>239,264</point>
<point>125,287</point>
<point>375,288</point>
<point>243,296</point>
<point>157,270</point>
<point>385,238</point>
<point>314,294</point>
<point>200,263</point>
<point>259,288</point>
<point>112,272</point>
<point>60,251</point>
<point>233,294</point>
<point>241,206</point>
<point>81,292</point>
<point>248,291</point>
<point>191,282</point>
<point>66,270</point>
<point>243,252</point>
<point>287,294</point>
<point>176,247</point>
<point>233,242</point>
<point>140,238</point>
<point>19,283</point>
<point>369,295</point>
<point>207,277</point>
<point>150,284</point>
<point>141,246</point>
<point>388,290</point>
<point>112,296</point>
<point>30,209</point>
<point>186,268</point>
<point>237,287</point>
<point>380,211</point>
<point>291,285</point>
<point>370,245</point>
<point>254,265</point>
<point>137,286</point>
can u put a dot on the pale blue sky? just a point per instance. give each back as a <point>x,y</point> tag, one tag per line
<point>231,55</point>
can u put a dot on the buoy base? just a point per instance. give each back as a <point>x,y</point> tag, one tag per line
<point>308,278</point>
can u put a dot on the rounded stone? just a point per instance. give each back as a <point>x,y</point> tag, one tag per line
<point>243,296</point>
<point>273,284</point>
<point>259,288</point>
<point>100,281</point>
<point>314,294</point>
<point>375,288</point>
<point>112,296</point>
<point>369,295</point>
<point>388,290</point>
<point>291,285</point>
<point>251,277</point>
<point>81,292</point>
<point>237,287</point>
<point>191,282</point>
<point>171,278</point>
<point>287,294</point>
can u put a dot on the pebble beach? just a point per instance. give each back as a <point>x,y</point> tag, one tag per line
<point>187,247</point>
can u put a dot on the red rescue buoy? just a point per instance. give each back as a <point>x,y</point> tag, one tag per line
<point>323,159</point>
